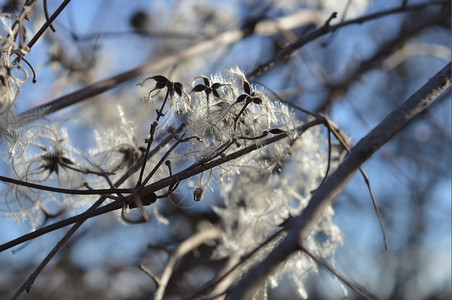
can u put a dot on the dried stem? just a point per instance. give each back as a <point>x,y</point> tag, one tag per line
<point>186,246</point>
<point>47,23</point>
<point>354,286</point>
<point>157,186</point>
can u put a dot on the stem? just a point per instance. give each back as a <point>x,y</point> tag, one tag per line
<point>186,246</point>
<point>47,23</point>
<point>151,136</point>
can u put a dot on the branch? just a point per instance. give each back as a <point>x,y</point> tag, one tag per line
<point>387,48</point>
<point>47,23</point>
<point>224,39</point>
<point>292,47</point>
<point>186,246</point>
<point>26,286</point>
<point>154,187</point>
<point>63,190</point>
<point>330,189</point>
<point>354,286</point>
<point>227,38</point>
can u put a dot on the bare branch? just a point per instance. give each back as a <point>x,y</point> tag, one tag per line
<point>330,189</point>
<point>354,286</point>
<point>47,23</point>
<point>186,246</point>
<point>385,50</point>
<point>224,39</point>
<point>292,47</point>
<point>154,187</point>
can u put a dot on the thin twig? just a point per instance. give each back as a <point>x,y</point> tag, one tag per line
<point>332,128</point>
<point>63,190</point>
<point>209,286</point>
<point>346,146</point>
<point>26,286</point>
<point>46,14</point>
<point>186,246</point>
<point>47,23</point>
<point>386,49</point>
<point>295,46</point>
<point>354,286</point>
<point>151,274</point>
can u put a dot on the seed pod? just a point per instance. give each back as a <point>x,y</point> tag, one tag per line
<point>276,131</point>
<point>198,194</point>
<point>145,200</point>
<point>149,199</point>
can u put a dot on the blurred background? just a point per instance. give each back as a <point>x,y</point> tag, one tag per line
<point>356,76</point>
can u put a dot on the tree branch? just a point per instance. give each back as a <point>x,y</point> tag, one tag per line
<point>154,187</point>
<point>336,182</point>
<point>412,28</point>
<point>26,286</point>
<point>224,39</point>
<point>292,47</point>
<point>227,38</point>
<point>47,23</point>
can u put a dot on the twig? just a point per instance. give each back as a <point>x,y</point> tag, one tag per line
<point>386,49</point>
<point>46,14</point>
<point>151,274</point>
<point>26,286</point>
<point>224,39</point>
<point>186,246</point>
<point>209,286</point>
<point>30,280</point>
<point>292,47</point>
<point>156,186</point>
<point>153,65</point>
<point>332,128</point>
<point>47,23</point>
<point>326,194</point>
<point>63,190</point>
<point>354,286</point>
